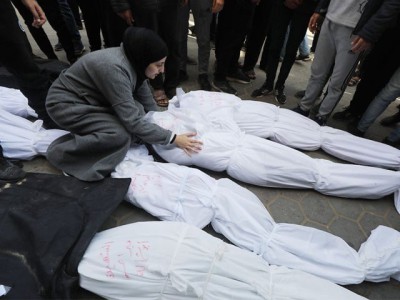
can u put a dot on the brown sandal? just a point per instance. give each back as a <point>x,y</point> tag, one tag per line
<point>161,98</point>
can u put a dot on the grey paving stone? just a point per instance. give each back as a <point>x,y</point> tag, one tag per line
<point>285,210</point>
<point>349,231</point>
<point>350,208</point>
<point>317,208</point>
<point>370,221</point>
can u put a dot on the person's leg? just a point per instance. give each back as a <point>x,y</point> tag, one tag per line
<point>298,28</point>
<point>280,22</point>
<point>70,22</point>
<point>56,21</point>
<point>16,56</point>
<point>388,94</point>
<point>377,69</point>
<point>183,27</point>
<point>233,22</point>
<point>345,64</point>
<point>304,48</point>
<point>168,23</point>
<point>202,15</point>
<point>320,68</point>
<point>91,15</point>
<point>256,36</point>
<point>38,34</point>
<point>73,4</point>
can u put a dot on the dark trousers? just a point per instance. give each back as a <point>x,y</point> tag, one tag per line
<point>95,14</point>
<point>38,34</point>
<point>233,24</point>
<point>281,18</point>
<point>165,23</point>
<point>16,56</point>
<point>376,71</point>
<point>56,20</point>
<point>257,34</point>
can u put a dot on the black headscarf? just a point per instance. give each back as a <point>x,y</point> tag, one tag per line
<point>142,47</point>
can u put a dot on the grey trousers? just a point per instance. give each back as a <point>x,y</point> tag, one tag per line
<point>201,10</point>
<point>333,47</point>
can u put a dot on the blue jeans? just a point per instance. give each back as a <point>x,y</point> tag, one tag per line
<point>386,96</point>
<point>304,48</point>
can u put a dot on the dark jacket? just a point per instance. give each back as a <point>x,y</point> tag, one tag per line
<point>378,15</point>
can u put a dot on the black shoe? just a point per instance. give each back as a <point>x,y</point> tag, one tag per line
<point>395,144</point>
<point>353,129</point>
<point>9,171</point>
<point>345,114</point>
<point>300,111</point>
<point>58,47</point>
<point>391,120</point>
<point>183,76</point>
<point>262,91</point>
<point>239,77</point>
<point>280,96</point>
<point>320,120</point>
<point>303,57</point>
<point>223,86</point>
<point>78,50</point>
<point>300,94</point>
<point>205,84</point>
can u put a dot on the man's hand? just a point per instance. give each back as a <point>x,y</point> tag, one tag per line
<point>127,16</point>
<point>314,22</point>
<point>359,44</point>
<point>292,4</point>
<point>218,5</point>
<point>39,18</point>
<point>187,144</point>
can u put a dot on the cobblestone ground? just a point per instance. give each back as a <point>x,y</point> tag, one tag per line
<point>351,219</point>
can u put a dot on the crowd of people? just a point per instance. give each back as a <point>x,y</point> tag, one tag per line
<point>103,97</point>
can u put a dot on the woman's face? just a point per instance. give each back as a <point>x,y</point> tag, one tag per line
<point>155,68</point>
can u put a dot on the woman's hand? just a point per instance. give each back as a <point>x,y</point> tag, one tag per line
<point>189,145</point>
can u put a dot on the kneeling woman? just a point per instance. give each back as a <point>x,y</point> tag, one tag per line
<point>102,99</point>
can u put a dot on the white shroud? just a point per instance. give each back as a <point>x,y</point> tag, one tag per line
<point>177,193</point>
<point>262,162</point>
<point>289,128</point>
<point>169,260</point>
<point>13,101</point>
<point>23,139</point>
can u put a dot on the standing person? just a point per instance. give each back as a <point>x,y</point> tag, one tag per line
<point>234,21</point>
<point>297,13</point>
<point>38,34</point>
<point>376,70</point>
<point>202,11</point>
<point>256,36</point>
<point>69,20</point>
<point>386,96</point>
<point>162,17</point>
<point>350,28</point>
<point>16,57</point>
<point>103,106</point>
